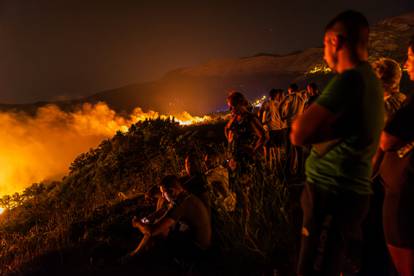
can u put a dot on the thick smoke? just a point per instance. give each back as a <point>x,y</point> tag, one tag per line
<point>41,147</point>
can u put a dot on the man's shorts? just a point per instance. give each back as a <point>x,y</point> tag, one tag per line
<point>331,239</point>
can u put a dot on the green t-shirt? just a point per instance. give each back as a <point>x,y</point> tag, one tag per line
<point>345,164</point>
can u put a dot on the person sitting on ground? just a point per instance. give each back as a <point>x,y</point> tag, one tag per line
<point>194,181</point>
<point>154,197</point>
<point>217,177</point>
<point>390,73</point>
<point>343,125</point>
<point>313,92</point>
<point>185,227</point>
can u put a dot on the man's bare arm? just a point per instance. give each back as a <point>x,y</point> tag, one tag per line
<point>314,126</point>
<point>159,228</point>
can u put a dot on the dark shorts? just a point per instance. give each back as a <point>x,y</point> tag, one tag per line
<point>331,239</point>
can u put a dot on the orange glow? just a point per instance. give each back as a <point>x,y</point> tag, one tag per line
<point>41,148</point>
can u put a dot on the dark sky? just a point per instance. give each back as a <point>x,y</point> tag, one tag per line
<point>53,49</point>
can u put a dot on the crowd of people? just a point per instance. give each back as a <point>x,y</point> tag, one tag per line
<point>357,140</point>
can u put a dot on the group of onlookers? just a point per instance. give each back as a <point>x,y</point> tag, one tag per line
<point>359,137</point>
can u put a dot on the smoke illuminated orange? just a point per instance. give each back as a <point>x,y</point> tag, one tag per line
<point>41,148</point>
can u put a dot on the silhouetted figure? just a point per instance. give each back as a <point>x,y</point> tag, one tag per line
<point>246,137</point>
<point>292,106</point>
<point>376,259</point>
<point>397,172</point>
<point>275,153</point>
<point>343,125</point>
<point>184,230</point>
<point>195,181</point>
<point>312,92</point>
<point>217,177</point>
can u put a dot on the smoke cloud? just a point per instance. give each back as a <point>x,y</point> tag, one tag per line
<point>41,147</point>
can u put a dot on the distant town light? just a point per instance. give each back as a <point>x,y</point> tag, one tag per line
<point>319,69</point>
<point>259,102</point>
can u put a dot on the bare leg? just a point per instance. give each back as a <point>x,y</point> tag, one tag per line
<point>145,240</point>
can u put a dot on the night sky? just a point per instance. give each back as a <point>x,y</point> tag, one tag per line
<point>55,50</point>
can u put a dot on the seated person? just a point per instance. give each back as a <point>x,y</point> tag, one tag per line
<point>186,224</point>
<point>194,181</point>
<point>154,197</point>
<point>217,177</point>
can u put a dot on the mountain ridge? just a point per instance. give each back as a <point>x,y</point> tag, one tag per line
<point>203,88</point>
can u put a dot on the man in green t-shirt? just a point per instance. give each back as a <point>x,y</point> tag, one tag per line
<point>343,125</point>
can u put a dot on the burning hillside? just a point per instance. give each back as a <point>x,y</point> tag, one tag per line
<point>85,219</point>
<point>41,147</point>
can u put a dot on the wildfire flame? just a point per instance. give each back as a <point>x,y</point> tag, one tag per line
<point>41,147</point>
<point>183,118</point>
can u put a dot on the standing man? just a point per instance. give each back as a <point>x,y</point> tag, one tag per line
<point>343,125</point>
<point>291,107</point>
<point>276,126</point>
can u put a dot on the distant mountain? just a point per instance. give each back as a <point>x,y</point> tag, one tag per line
<point>202,89</point>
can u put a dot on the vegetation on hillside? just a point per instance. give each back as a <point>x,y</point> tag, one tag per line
<point>82,224</point>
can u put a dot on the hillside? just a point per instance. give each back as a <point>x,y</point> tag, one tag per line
<point>82,224</point>
<point>202,89</point>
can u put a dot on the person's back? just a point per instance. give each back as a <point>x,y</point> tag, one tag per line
<point>275,120</point>
<point>194,219</point>
<point>345,163</point>
<point>291,106</point>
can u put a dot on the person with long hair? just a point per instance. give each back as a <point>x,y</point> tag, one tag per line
<point>246,137</point>
<point>397,173</point>
<point>389,72</point>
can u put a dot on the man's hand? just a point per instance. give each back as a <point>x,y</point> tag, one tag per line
<point>159,228</point>
<point>137,223</point>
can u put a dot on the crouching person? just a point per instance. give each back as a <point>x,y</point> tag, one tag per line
<point>184,230</point>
